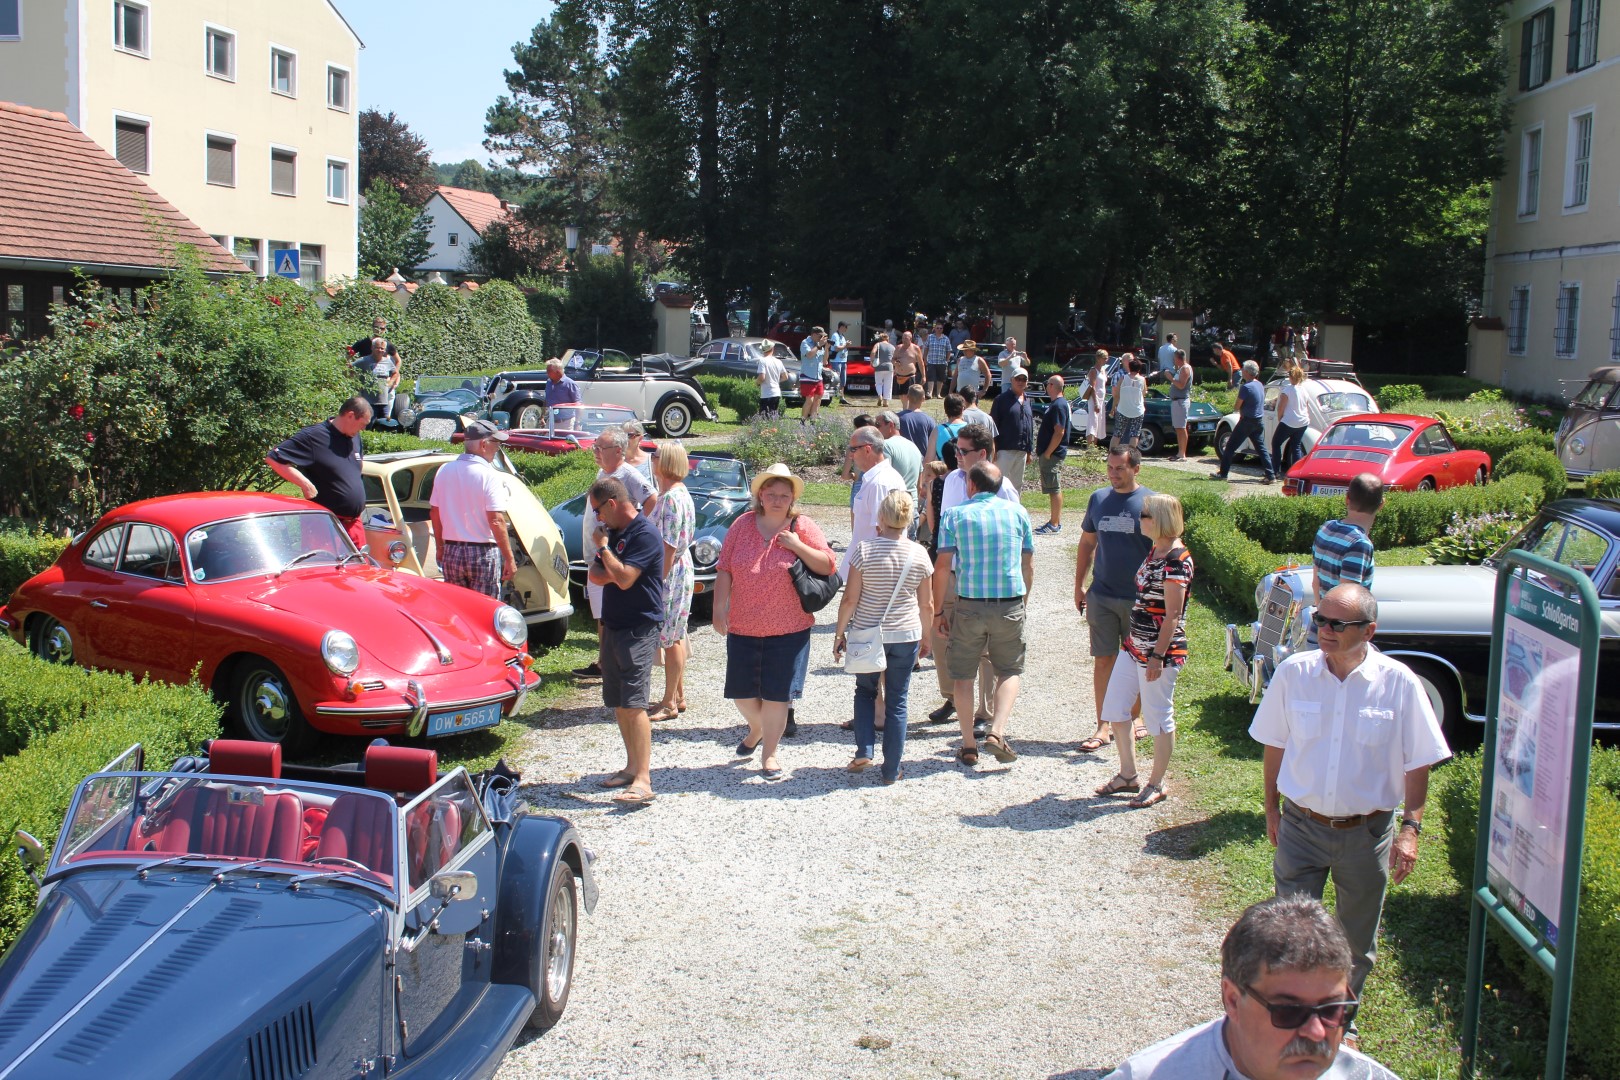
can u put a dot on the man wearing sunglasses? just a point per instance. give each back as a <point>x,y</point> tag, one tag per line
<point>1349,735</point>
<point>1285,985</point>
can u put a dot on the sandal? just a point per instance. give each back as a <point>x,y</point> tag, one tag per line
<point>618,779</point>
<point>1139,732</point>
<point>860,764</point>
<point>968,755</point>
<point>1118,784</point>
<point>664,712</point>
<point>1094,744</point>
<point>997,745</point>
<point>636,796</point>
<point>1151,795</point>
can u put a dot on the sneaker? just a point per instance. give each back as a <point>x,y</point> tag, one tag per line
<point>592,670</point>
<point>1042,530</point>
<point>1269,480</point>
<point>943,714</point>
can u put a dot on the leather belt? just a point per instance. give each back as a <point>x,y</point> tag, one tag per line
<point>1349,821</point>
<point>472,543</point>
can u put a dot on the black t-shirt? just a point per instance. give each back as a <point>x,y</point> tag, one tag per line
<point>641,545</point>
<point>331,460</point>
<point>1055,416</point>
<point>363,348</point>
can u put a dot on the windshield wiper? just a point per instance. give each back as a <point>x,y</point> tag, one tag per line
<point>352,555</point>
<point>173,860</point>
<point>296,559</point>
<point>251,865</point>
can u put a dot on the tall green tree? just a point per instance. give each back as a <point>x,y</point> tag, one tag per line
<point>391,151</point>
<point>392,233</point>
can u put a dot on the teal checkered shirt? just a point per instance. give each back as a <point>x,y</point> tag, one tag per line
<point>989,537</point>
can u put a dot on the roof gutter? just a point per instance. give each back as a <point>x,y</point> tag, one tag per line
<point>65,266</point>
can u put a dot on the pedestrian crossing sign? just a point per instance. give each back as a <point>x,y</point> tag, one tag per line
<point>285,261</point>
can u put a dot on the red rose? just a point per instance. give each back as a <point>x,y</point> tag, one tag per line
<point>90,437</point>
<point>276,300</point>
<point>91,324</point>
<point>77,412</point>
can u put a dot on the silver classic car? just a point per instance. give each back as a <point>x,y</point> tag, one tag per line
<point>1589,435</point>
<point>1437,619</point>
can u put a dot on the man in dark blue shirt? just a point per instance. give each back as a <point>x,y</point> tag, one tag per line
<point>323,462</point>
<point>1251,424</point>
<point>1053,446</point>
<point>628,562</point>
<point>1014,418</point>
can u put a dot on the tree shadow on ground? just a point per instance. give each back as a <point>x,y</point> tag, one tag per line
<point>1193,840</point>
<point>1047,812</point>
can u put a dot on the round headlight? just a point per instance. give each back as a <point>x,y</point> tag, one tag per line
<point>340,652</point>
<point>396,552</point>
<point>1261,589</point>
<point>1577,445</point>
<point>510,627</point>
<point>706,552</point>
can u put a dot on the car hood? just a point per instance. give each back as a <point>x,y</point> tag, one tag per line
<point>1434,599</point>
<point>179,973</point>
<point>396,618</point>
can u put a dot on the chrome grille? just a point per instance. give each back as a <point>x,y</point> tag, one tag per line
<point>285,1048</point>
<point>1275,619</point>
<point>371,685</point>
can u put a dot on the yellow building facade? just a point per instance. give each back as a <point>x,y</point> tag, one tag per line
<point>1552,276</point>
<point>243,113</point>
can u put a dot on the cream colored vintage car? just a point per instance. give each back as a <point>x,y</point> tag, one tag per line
<point>1589,436</point>
<point>399,534</point>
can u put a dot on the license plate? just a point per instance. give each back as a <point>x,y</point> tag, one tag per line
<point>1328,489</point>
<point>453,723</point>
<point>1208,425</point>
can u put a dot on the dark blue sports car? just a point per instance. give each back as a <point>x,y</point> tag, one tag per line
<point>234,918</point>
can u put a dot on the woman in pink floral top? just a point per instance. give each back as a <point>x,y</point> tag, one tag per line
<point>767,631</point>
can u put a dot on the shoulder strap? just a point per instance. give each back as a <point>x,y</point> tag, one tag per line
<point>899,581</point>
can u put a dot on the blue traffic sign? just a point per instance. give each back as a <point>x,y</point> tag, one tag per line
<point>285,261</point>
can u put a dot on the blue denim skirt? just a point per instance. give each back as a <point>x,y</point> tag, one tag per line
<point>769,668</point>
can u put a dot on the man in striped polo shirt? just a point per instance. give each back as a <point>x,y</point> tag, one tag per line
<point>1343,550</point>
<point>993,546</point>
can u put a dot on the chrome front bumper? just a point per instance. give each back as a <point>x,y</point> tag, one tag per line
<point>561,611</point>
<point>1253,671</point>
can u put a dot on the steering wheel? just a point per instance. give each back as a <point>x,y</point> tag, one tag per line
<point>340,861</point>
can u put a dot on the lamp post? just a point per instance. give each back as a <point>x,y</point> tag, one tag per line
<point>571,239</point>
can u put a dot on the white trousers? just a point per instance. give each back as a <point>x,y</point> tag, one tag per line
<point>1127,682</point>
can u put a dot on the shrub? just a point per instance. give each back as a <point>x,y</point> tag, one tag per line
<point>1392,397</point>
<point>80,721</point>
<point>1542,464</point>
<point>1470,540</point>
<point>443,331</point>
<point>572,474</point>
<point>1227,560</point>
<point>389,442</point>
<point>1603,485</point>
<point>1490,393</point>
<point>1500,442</point>
<point>738,394</point>
<point>1434,386</point>
<point>1594,1036</point>
<point>767,440</point>
<point>24,554</point>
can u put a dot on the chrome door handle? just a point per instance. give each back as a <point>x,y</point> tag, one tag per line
<point>99,604</point>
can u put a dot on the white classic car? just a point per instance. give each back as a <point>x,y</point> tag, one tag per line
<point>1332,391</point>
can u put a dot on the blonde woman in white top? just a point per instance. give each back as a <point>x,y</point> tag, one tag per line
<point>890,584</point>
<point>1287,439</point>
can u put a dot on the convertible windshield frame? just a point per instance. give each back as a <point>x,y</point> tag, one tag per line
<point>197,536</point>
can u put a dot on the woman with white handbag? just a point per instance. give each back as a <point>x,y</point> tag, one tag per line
<point>887,602</point>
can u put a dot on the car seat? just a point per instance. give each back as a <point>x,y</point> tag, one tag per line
<point>239,821</point>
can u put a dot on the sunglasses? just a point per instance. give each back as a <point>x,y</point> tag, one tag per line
<point>1290,1017</point>
<point>1338,626</point>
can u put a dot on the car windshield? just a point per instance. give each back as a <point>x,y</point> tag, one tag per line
<point>711,476</point>
<point>277,826</point>
<point>264,544</point>
<point>442,385</point>
<point>1345,401</point>
<point>585,419</point>
<point>1564,542</point>
<point>1595,394</point>
<point>1373,436</point>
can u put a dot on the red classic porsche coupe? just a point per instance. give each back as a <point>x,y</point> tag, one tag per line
<point>569,428</point>
<point>1410,453</point>
<point>266,598</point>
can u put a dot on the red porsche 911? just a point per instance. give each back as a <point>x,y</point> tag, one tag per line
<point>1410,453</point>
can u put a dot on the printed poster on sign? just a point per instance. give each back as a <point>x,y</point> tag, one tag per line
<point>1540,667</point>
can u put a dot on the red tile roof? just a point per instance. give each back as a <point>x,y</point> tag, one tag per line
<point>479,209</point>
<point>65,199</point>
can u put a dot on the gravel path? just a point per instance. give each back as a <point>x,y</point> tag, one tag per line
<point>997,922</point>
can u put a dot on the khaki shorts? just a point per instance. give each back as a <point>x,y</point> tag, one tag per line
<point>1110,622</point>
<point>995,627</point>
<point>1051,483</point>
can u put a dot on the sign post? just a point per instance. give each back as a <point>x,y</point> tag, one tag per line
<point>1532,803</point>
<point>285,262</point>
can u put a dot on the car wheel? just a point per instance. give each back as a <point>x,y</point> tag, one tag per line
<point>1150,441</point>
<point>51,641</point>
<point>1445,698</point>
<point>548,635</point>
<point>675,418</point>
<point>1480,476</point>
<point>1223,435</point>
<point>554,965</point>
<point>528,416</point>
<point>262,706</point>
<point>1426,484</point>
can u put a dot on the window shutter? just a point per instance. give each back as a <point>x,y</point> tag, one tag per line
<point>282,173</point>
<point>1546,48</point>
<point>1524,54</point>
<point>1574,35</point>
<point>130,145</point>
<point>222,162</point>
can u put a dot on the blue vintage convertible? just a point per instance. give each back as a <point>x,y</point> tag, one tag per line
<point>234,918</point>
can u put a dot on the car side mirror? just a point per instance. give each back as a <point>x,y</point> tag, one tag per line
<point>448,885</point>
<point>32,853</point>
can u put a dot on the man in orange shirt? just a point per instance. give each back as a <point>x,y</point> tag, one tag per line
<point>1226,360</point>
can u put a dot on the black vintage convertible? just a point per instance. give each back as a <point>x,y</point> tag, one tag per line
<point>233,918</point>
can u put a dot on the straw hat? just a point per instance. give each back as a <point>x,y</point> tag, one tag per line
<point>969,346</point>
<point>778,471</point>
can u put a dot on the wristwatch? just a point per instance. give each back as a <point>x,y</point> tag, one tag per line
<point>1412,823</point>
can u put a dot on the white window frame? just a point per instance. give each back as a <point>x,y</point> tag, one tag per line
<point>139,119</point>
<point>270,160</point>
<point>1530,209</point>
<point>236,145</point>
<point>348,88</point>
<point>1585,33</point>
<point>18,36</point>
<point>348,183</point>
<point>145,51</point>
<point>1567,326</point>
<point>1614,329</point>
<point>1578,170</point>
<point>292,91</point>
<point>261,255</point>
<point>304,264</point>
<point>209,31</point>
<point>1518,334</point>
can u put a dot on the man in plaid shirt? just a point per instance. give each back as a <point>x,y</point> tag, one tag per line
<point>993,546</point>
<point>937,361</point>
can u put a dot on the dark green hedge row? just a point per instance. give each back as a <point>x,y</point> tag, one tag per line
<point>1604,485</point>
<point>74,722</point>
<point>739,394</point>
<point>24,554</point>
<point>1594,1036</point>
<point>1499,444</point>
<point>1408,517</point>
<point>1434,386</point>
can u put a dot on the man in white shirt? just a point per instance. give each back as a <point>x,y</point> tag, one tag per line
<point>1167,354</point>
<point>468,512</point>
<point>609,449</point>
<point>1349,735</point>
<point>878,478</point>
<point>770,375</point>
<point>1286,995</point>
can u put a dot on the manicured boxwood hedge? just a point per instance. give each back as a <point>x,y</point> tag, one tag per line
<point>63,724</point>
<point>739,394</point>
<point>1594,1035</point>
<point>24,554</point>
<point>1541,464</point>
<point>1499,443</point>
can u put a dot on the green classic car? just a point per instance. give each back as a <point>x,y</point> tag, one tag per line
<point>719,487</point>
<point>1157,435</point>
